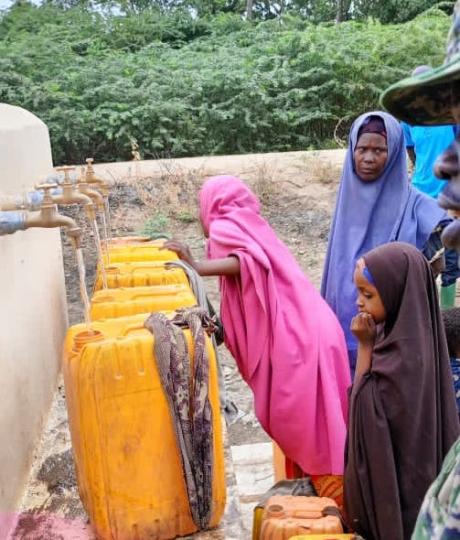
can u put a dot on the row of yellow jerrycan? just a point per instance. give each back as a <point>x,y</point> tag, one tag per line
<point>128,464</point>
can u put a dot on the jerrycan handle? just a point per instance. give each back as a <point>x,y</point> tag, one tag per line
<point>132,328</point>
<point>307,514</point>
<point>139,296</point>
<point>171,292</point>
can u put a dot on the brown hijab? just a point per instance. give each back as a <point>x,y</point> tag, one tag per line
<point>403,416</point>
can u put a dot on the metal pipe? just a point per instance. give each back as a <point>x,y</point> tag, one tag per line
<point>48,217</point>
<point>32,200</point>
<point>67,194</point>
<point>10,222</point>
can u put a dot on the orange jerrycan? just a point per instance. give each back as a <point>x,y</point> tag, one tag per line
<point>140,274</point>
<point>109,303</point>
<point>128,465</point>
<point>287,516</point>
<point>143,251</point>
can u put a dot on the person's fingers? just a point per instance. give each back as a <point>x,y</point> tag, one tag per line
<point>167,244</point>
<point>358,322</point>
<point>175,246</point>
<point>370,324</point>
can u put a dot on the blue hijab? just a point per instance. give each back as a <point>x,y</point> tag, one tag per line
<point>369,214</point>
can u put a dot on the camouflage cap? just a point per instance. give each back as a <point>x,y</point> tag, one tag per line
<point>426,99</point>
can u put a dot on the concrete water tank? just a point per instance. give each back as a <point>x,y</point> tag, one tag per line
<point>33,310</point>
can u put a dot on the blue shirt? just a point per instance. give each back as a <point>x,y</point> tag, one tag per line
<point>455,367</point>
<point>428,144</point>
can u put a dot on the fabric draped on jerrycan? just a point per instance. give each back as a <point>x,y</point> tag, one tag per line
<point>128,464</point>
<point>188,400</point>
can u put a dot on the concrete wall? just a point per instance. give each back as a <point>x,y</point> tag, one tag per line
<point>33,314</point>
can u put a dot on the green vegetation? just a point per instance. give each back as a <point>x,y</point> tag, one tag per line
<point>155,226</point>
<point>183,85</point>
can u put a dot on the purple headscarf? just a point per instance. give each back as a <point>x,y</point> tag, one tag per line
<point>369,214</point>
<point>373,124</point>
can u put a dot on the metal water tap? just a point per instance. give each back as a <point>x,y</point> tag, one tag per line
<point>91,178</point>
<point>95,195</point>
<point>48,217</point>
<point>71,195</point>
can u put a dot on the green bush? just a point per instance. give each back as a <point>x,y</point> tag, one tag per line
<point>182,86</point>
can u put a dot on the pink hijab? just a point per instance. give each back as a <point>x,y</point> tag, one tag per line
<point>287,342</point>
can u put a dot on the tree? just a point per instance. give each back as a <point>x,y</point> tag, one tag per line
<point>249,6</point>
<point>391,11</point>
<point>339,16</point>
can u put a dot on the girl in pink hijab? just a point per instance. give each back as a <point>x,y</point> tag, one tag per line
<point>287,342</point>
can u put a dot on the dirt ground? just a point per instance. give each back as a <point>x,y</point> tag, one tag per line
<point>297,191</point>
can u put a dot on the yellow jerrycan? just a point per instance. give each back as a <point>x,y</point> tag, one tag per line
<point>113,328</point>
<point>109,303</point>
<point>124,240</point>
<point>128,465</point>
<point>143,251</point>
<point>139,274</point>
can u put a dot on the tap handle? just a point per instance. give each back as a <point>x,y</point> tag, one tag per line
<point>47,197</point>
<point>89,168</point>
<point>46,187</point>
<point>66,170</point>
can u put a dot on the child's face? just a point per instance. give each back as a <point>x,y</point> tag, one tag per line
<point>369,300</point>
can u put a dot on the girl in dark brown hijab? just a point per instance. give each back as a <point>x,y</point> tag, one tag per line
<point>403,417</point>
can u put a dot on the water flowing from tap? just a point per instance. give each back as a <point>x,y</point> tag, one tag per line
<point>107,217</point>
<point>100,256</point>
<point>105,239</point>
<point>83,291</point>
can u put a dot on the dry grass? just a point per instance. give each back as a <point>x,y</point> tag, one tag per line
<point>168,198</point>
<point>320,170</point>
<point>173,191</point>
<point>265,183</point>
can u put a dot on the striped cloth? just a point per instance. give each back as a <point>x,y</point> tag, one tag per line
<point>188,400</point>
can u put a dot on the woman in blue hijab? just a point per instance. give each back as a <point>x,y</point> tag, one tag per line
<point>376,204</point>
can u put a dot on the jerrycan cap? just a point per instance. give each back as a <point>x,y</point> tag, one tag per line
<point>88,336</point>
<point>275,511</point>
